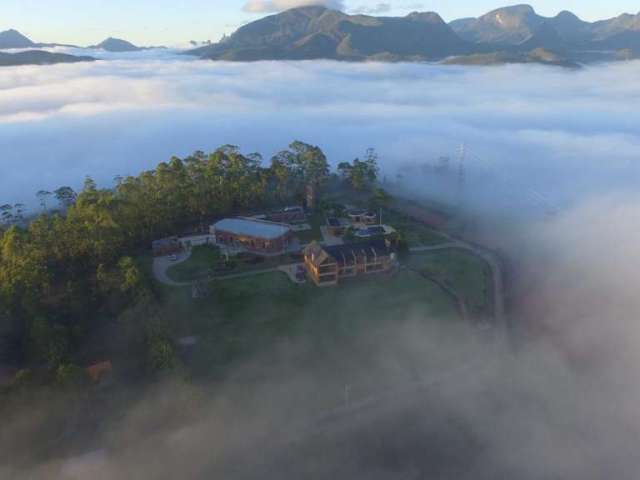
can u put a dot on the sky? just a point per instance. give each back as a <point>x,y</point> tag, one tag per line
<point>167,22</point>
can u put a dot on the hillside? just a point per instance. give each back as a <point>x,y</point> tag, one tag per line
<point>39,57</point>
<point>520,26</point>
<point>317,32</point>
<point>539,56</point>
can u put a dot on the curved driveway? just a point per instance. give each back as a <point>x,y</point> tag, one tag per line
<point>162,264</point>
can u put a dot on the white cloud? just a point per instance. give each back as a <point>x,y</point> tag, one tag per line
<point>271,6</point>
<point>377,9</point>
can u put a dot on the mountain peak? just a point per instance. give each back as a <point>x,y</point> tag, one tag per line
<point>112,44</point>
<point>503,26</point>
<point>522,9</point>
<point>510,16</point>
<point>308,10</point>
<point>427,17</point>
<point>567,15</point>
<point>14,39</point>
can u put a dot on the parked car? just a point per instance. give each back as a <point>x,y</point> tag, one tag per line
<point>173,258</point>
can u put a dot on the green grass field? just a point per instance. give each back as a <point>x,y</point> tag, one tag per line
<point>202,259</point>
<point>414,232</point>
<point>468,274</point>
<point>245,316</point>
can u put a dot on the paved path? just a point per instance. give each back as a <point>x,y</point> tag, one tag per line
<point>496,272</point>
<point>162,264</point>
<point>292,272</point>
<point>435,248</point>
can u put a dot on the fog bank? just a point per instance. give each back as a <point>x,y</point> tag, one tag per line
<point>446,404</point>
<point>569,133</point>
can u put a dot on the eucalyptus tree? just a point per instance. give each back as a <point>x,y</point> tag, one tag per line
<point>43,196</point>
<point>65,196</point>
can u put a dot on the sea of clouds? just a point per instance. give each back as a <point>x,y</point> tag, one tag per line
<point>564,133</point>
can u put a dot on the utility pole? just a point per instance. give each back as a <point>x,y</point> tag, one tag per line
<point>462,175</point>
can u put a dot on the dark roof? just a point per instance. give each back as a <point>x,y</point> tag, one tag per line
<point>377,230</point>
<point>360,213</point>
<point>344,254</point>
<point>333,222</point>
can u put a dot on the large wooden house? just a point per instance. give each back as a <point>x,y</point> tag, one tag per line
<point>327,265</point>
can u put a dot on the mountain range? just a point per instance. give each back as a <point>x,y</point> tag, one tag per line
<point>515,34</point>
<point>39,57</point>
<point>14,40</point>
<point>507,34</point>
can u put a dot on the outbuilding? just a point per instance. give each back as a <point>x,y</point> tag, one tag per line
<point>362,217</point>
<point>166,246</point>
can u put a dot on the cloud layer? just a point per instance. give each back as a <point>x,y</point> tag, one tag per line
<point>565,134</point>
<point>272,6</point>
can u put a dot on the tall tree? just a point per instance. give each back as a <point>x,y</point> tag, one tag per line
<point>361,174</point>
<point>43,196</point>
<point>6,213</point>
<point>65,196</point>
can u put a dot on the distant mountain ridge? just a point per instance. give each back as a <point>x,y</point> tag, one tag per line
<point>509,34</point>
<point>516,32</point>
<point>117,45</point>
<point>39,57</point>
<point>12,39</point>
<point>513,26</point>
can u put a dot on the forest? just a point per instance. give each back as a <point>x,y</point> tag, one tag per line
<point>73,268</point>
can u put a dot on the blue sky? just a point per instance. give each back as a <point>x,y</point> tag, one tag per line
<point>173,22</point>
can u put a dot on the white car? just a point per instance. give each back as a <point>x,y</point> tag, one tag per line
<point>173,258</point>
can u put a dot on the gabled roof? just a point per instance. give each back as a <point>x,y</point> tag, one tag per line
<point>347,254</point>
<point>252,228</point>
<point>317,253</point>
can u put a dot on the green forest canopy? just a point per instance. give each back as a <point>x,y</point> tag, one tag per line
<point>64,270</point>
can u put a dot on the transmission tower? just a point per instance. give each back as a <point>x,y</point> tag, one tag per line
<point>462,174</point>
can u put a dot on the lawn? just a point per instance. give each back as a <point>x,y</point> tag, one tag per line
<point>416,233</point>
<point>202,260</point>
<point>243,317</point>
<point>468,274</point>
